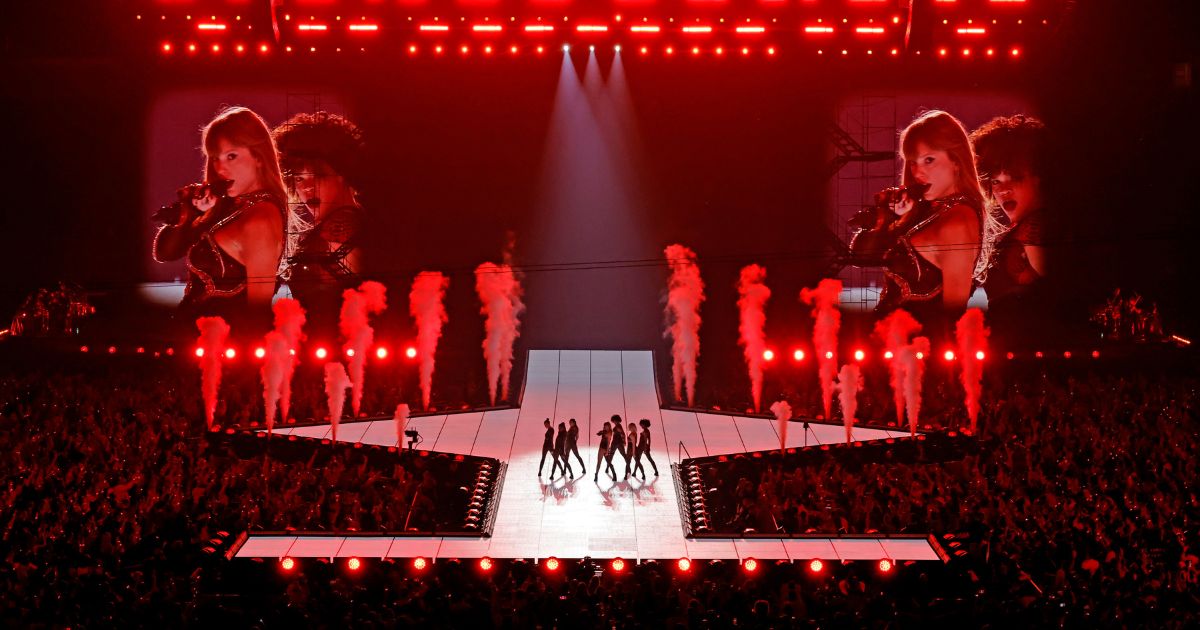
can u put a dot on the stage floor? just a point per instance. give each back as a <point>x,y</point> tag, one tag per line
<point>574,518</point>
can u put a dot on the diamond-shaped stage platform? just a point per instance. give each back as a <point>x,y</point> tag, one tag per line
<point>574,518</point>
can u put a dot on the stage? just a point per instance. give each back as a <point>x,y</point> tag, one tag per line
<point>576,518</point>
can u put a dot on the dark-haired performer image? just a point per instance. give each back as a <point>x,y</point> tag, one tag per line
<point>231,226</point>
<point>630,448</point>
<point>320,154</point>
<point>548,447</point>
<point>573,445</point>
<point>560,452</point>
<point>618,440</point>
<point>1010,153</point>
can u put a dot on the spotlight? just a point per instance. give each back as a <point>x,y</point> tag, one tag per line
<point>410,352</point>
<point>617,48</point>
<point>541,49</point>
<point>645,50</point>
<point>551,563</point>
<point>1038,354</point>
<point>771,51</point>
<point>670,50</point>
<point>618,565</point>
<point>485,564</point>
<point>798,355</point>
<point>381,353</point>
<point>859,355</point>
<point>230,353</point>
<point>287,563</point>
<point>769,355</point>
<point>112,349</point>
<point>695,50</point>
<point>83,348</point>
<point>1095,354</point>
<point>745,51</point>
<point>816,566</point>
<point>888,354</point>
<point>354,564</point>
<point>885,566</point>
<point>949,355</point>
<point>828,355</point>
<point>592,48</point>
<point>1010,356</point>
<point>350,352</point>
<point>321,353</point>
<point>419,563</point>
<point>684,564</point>
<point>200,352</point>
<point>566,48</point>
<point>1067,354</point>
<point>920,356</point>
<point>166,47</point>
<point>980,355</point>
<point>750,565</point>
<point>260,352</point>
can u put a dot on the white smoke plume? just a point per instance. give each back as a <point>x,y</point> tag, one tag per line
<point>277,363</point>
<point>783,413</point>
<point>213,334</point>
<point>336,383</point>
<point>499,293</point>
<point>369,299</point>
<point>895,330</point>
<point>827,319</point>
<point>752,301</point>
<point>289,322</point>
<point>849,382</point>
<point>401,418</point>
<point>425,304</point>
<point>685,293</point>
<point>912,359</point>
<point>972,337</point>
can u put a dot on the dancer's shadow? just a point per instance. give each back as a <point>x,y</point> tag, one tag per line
<point>644,491</point>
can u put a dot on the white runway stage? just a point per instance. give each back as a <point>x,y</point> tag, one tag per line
<point>567,518</point>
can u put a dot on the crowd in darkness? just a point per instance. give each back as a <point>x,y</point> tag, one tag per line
<point>1080,501</point>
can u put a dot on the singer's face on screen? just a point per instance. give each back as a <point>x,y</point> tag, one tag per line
<point>934,167</point>
<point>238,165</point>
<point>318,186</point>
<point>1018,193</point>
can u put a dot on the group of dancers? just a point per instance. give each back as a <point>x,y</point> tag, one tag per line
<point>632,444</point>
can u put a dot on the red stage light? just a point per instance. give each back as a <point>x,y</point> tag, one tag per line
<point>538,28</point>
<point>287,563</point>
<point>1067,354</point>
<point>210,26</point>
<point>230,353</point>
<point>697,30</point>
<point>745,51</point>
<point>618,565</point>
<point>750,565</point>
<point>768,355</point>
<point>645,50</point>
<point>869,30</point>
<point>828,355</point>
<point>980,355</point>
<point>381,353</point>
<point>670,50</point>
<point>684,564</point>
<point>200,352</point>
<point>166,47</point>
<point>645,28</point>
<point>263,48</point>
<point>437,49</point>
<point>920,356</point>
<point>170,352</point>
<point>591,28</point>
<point>1038,354</point>
<point>720,51</point>
<point>771,51</point>
<point>1010,356</point>
<point>465,50</point>
<point>354,564</point>
<point>313,27</point>
<point>818,29</point>
<point>798,355</point>
<point>112,349</point>
<point>695,50</point>
<point>974,30</point>
<point>885,565</point>
<point>321,353</point>
<point>750,29</point>
<point>83,348</point>
<point>487,28</point>
<point>513,50</point>
<point>859,355</point>
<point>433,28</point>
<point>1016,52</point>
<point>487,50</point>
<point>551,563</point>
<point>485,564</point>
<point>216,48</point>
<point>410,352</point>
<point>191,48</point>
<point>260,352</point>
<point>240,48</point>
<point>816,566</point>
<point>364,27</point>
<point>420,563</point>
<point>541,49</point>
<point>943,52</point>
<point>948,355</point>
<point>888,354</point>
<point>1095,354</point>
<point>895,51</point>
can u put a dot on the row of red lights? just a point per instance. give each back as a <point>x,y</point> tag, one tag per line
<point>413,49</point>
<point>381,352</point>
<point>816,566</point>
<point>948,355</point>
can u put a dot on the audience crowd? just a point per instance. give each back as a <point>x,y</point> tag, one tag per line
<point>1079,503</point>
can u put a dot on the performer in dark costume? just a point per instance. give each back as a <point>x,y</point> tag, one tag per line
<point>230,227</point>
<point>643,448</point>
<point>929,230</point>
<point>604,452</point>
<point>630,448</point>
<point>573,445</point>
<point>548,447</point>
<point>560,452</point>
<point>320,154</point>
<point>618,440</point>
<point>1010,153</point>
